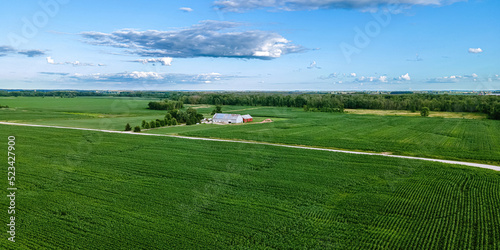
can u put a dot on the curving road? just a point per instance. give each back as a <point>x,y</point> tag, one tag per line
<point>470,164</point>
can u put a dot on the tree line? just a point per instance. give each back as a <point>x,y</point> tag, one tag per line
<point>487,104</point>
<point>166,105</point>
<point>172,118</point>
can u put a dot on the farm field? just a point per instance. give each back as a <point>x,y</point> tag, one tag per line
<point>86,112</point>
<point>465,115</point>
<point>475,140</point>
<point>123,191</point>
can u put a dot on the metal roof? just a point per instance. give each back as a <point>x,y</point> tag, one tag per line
<point>246,116</point>
<point>221,116</point>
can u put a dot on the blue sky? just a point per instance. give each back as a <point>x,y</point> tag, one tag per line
<point>250,45</point>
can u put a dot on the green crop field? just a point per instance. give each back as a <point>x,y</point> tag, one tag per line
<point>476,140</point>
<point>93,190</point>
<point>85,112</point>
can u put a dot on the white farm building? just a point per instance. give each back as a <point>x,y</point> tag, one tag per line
<point>231,118</point>
<point>227,118</point>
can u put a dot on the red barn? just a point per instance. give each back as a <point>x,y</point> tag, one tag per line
<point>247,118</point>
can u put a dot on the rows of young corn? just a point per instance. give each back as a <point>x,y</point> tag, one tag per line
<point>158,193</point>
<point>451,210</point>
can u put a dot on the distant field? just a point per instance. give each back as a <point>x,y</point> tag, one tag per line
<point>80,189</point>
<point>409,113</point>
<point>88,112</point>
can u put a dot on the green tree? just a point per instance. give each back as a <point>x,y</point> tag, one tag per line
<point>158,124</point>
<point>152,124</point>
<point>495,112</point>
<point>127,127</point>
<point>143,124</point>
<point>174,113</point>
<point>137,129</point>
<point>425,111</point>
<point>191,116</point>
<point>413,109</point>
<point>147,126</point>
<point>218,109</point>
<point>174,121</point>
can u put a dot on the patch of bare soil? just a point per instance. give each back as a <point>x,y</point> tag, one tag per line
<point>266,121</point>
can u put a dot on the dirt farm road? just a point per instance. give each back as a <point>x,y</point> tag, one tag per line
<point>470,164</point>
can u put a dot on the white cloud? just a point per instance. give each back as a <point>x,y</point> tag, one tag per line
<point>453,78</point>
<point>207,39</point>
<point>143,75</point>
<point>445,79</point>
<point>356,78</point>
<point>75,63</point>
<point>151,77</point>
<point>470,76</point>
<point>294,5</point>
<point>371,79</point>
<point>475,50</point>
<point>50,60</point>
<point>331,76</point>
<point>313,65</point>
<point>165,61</point>
<point>186,9</point>
<point>405,77</point>
<point>78,63</point>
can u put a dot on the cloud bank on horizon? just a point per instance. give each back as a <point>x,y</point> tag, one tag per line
<point>295,5</point>
<point>146,77</point>
<point>206,39</point>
